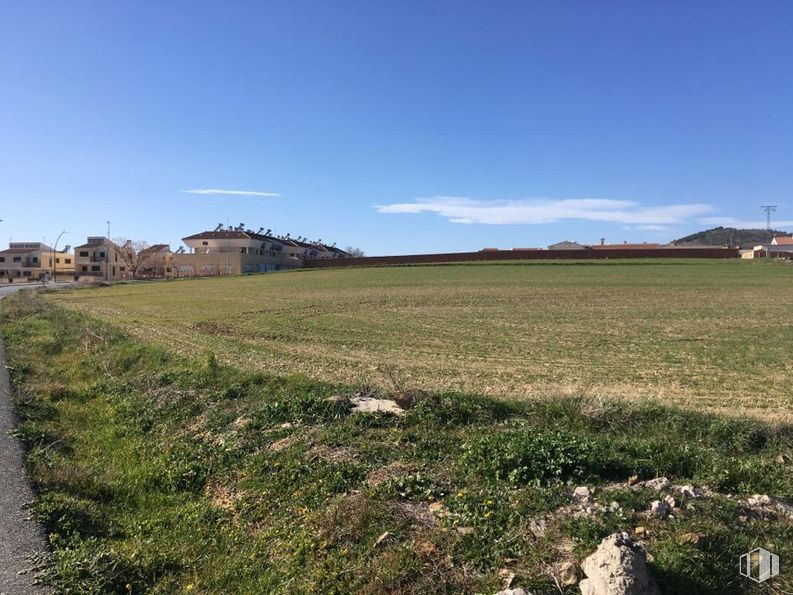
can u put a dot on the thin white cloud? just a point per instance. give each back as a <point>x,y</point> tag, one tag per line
<point>231,192</point>
<point>743,223</point>
<point>549,210</point>
<point>648,227</point>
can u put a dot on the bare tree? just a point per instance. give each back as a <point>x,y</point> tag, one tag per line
<point>353,251</point>
<point>131,253</point>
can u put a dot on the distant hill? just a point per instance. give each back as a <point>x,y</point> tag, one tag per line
<point>730,236</point>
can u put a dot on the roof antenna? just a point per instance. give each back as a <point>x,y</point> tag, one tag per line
<point>219,227</point>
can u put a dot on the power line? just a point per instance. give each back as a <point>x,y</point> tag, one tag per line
<point>768,210</point>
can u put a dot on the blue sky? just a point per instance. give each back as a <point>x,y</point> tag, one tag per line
<point>395,126</point>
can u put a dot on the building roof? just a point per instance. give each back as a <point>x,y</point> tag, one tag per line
<point>92,245</point>
<point>623,246</point>
<point>220,235</point>
<point>783,240</point>
<point>566,243</point>
<point>19,250</point>
<point>155,248</point>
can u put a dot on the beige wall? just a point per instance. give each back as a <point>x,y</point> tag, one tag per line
<point>100,260</point>
<point>189,265</point>
<point>35,264</point>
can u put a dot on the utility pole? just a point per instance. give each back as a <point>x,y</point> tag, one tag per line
<point>54,261</point>
<point>107,253</point>
<point>768,210</point>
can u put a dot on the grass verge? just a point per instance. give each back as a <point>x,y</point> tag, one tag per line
<point>160,473</point>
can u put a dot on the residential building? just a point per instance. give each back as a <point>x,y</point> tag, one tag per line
<point>782,241</point>
<point>34,261</point>
<point>237,251</point>
<point>155,262</point>
<point>98,260</point>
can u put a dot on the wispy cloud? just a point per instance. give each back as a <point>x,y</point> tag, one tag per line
<point>549,210</point>
<point>743,223</point>
<point>231,192</point>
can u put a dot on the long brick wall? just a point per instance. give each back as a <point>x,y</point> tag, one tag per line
<point>587,254</point>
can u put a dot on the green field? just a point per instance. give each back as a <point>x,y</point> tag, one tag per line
<point>716,335</point>
<point>157,473</point>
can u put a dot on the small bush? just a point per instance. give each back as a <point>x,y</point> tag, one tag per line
<point>524,457</point>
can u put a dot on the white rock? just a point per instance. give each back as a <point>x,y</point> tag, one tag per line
<point>567,572</point>
<point>670,501</point>
<point>362,404</point>
<point>618,567</point>
<point>688,491</point>
<point>517,591</point>
<point>581,493</point>
<point>760,500</point>
<point>659,483</point>
<point>659,508</point>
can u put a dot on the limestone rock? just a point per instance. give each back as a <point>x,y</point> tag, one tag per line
<point>361,404</point>
<point>695,539</point>
<point>567,571</point>
<point>618,567</point>
<point>582,493</point>
<point>688,491</point>
<point>660,509</point>
<point>659,483</point>
<point>760,500</point>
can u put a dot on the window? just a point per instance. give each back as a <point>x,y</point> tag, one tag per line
<point>26,274</point>
<point>68,261</point>
<point>95,267</point>
<point>17,259</point>
<point>122,269</point>
<point>2,258</point>
<point>35,259</point>
<point>101,255</point>
<point>85,268</point>
<point>205,243</point>
<point>57,261</point>
<point>83,254</point>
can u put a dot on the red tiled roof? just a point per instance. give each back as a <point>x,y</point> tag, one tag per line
<point>784,240</point>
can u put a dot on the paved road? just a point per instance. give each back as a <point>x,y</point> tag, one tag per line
<point>19,537</point>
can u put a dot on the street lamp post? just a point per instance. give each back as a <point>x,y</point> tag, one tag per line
<point>107,253</point>
<point>55,262</point>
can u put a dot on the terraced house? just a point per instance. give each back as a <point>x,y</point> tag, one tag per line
<point>33,261</point>
<point>238,250</point>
